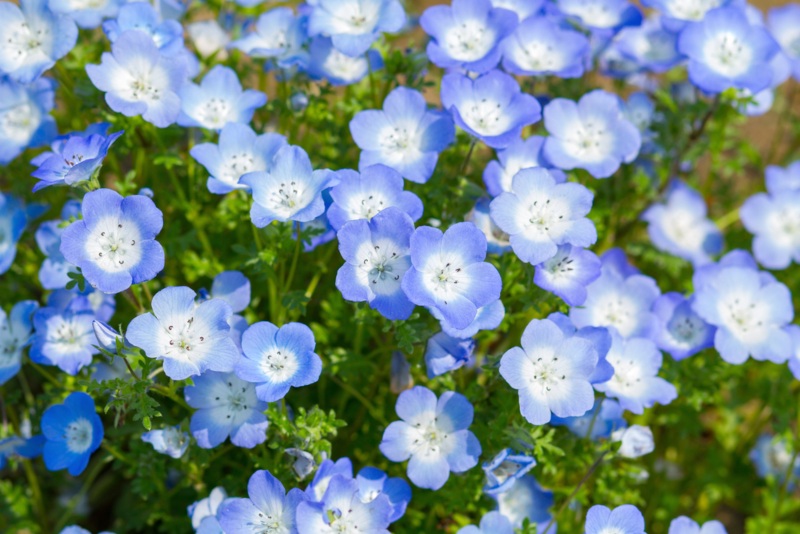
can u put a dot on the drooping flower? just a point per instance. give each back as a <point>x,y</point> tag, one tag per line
<point>170,440</point>
<point>568,273</point>
<point>32,39</point>
<point>288,191</point>
<point>682,332</point>
<point>590,134</point>
<point>444,353</point>
<point>342,511</point>
<point>540,214</point>
<point>491,107</point>
<point>218,100</point>
<point>405,135</point>
<point>276,359</point>
<point>625,519</point>
<point>353,25</point>
<point>74,161</point>
<point>636,441</point>
<point>64,335</point>
<point>372,482</point>
<point>491,523</point>
<point>448,272</point>
<point>15,334</point>
<point>114,244</point>
<point>505,469</point>
<point>25,119</point>
<point>269,507</point>
<point>189,338</point>
<point>466,35</point>
<point>226,406</point>
<point>377,258</point>
<point>277,35</point>
<point>432,435</point>
<point>73,431</point>
<point>541,46</point>
<point>685,525</point>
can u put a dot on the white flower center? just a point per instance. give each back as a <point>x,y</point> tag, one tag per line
<point>10,342</point>
<point>18,123</point>
<point>442,275</point>
<point>691,9</point>
<point>114,245</point>
<point>344,67</point>
<point>78,435</point>
<point>744,316</point>
<point>279,364</point>
<point>541,56</point>
<point>542,214</point>
<point>368,206</point>
<point>142,87</point>
<point>470,41</point>
<point>236,165</point>
<point>382,267</point>
<point>215,113</point>
<point>429,439</point>
<point>68,335</point>
<point>182,336</point>
<point>486,117</point>
<point>560,266</point>
<point>628,375</point>
<point>728,54</point>
<point>618,311</point>
<point>26,41</point>
<point>596,13</point>
<point>686,329</point>
<point>589,141</point>
<point>288,198</point>
<point>544,371</point>
<point>785,226</point>
<point>682,227</point>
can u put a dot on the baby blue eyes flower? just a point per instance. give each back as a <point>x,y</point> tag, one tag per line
<point>774,219</point>
<point>325,62</point>
<point>18,446</point>
<point>603,15</point>
<point>139,80</point>
<point>218,100</point>
<point>448,272</point>
<point>376,255</point>
<point>681,226</point>
<point>25,119</point>
<point>290,190</point>
<point>685,525</point>
<point>73,431</point>
<point>773,458</point>
<point>625,519</point>
<point>276,359</point>
<point>15,334</point>
<point>87,14</point>
<point>681,333</point>
<point>74,161</point>
<point>170,441</point>
<point>362,196</point>
<point>540,46</point>
<point>651,46</point>
<point>188,337</point>
<point>635,383</point>
<point>504,470</point>
<point>226,406</point>
<point>13,220</point>
<point>405,135</point>
<point>601,421</point>
<point>591,134</point>
<point>143,17</point>
<point>677,13</point>
<point>64,334</point>
<point>342,510</point>
<point>432,435</point>
<point>353,25</point>
<point>526,500</point>
<point>568,273</point>
<point>725,50</point>
<point>780,179</point>
<point>491,523</point>
<point>636,441</point>
<point>488,317</point>
<point>269,508</point>
<point>114,244</point>
<point>467,34</point>
<point>491,107</point>
<point>278,35</point>
<point>519,154</point>
<point>205,510</point>
<point>551,372</point>
<point>32,39</point>
<point>539,214</point>
<point>750,312</point>
<point>239,151</point>
<point>784,25</point>
<point>496,239</point>
<point>444,353</point>
<point>372,483</point>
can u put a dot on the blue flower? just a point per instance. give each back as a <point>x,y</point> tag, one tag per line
<point>170,441</point>
<point>448,272</point>
<point>13,220</point>
<point>523,8</point>
<point>677,13</point>
<point>290,190</point>
<point>773,458</point>
<point>491,523</point>
<point>636,441</point>
<point>568,273</point>
<point>342,511</point>
<point>640,110</point>
<point>541,46</point>
<point>73,431</point>
<point>362,196</point>
<point>226,406</point>
<point>218,100</point>
<point>75,160</point>
<point>725,50</point>
<point>488,317</point>
<point>54,269</point>
<point>276,359</point>
<point>491,107</point>
<point>551,372</point>
<point>467,34</point>
<point>599,337</point>
<point>780,179</point>
<point>405,135</point>
<point>143,17</point>
<point>15,334</point>
<point>269,508</point>
<point>444,353</point>
<point>32,39</point>
<point>504,470</point>
<point>540,214</point>
<point>325,62</point>
<point>635,383</point>
<point>304,462</point>
<point>377,258</point>
<point>355,24</point>
<point>496,239</point>
<point>600,422</point>
<point>18,446</point>
<point>750,312</point>
<point>203,513</point>
<point>432,435</point>
<point>650,46</point>
<point>64,335</point>
<point>685,525</point>
<point>771,219</point>
<point>681,226</point>
<point>139,80</point>
<point>114,244</point>
<point>605,16</point>
<point>87,15</point>
<point>681,333</point>
<point>784,25</point>
<point>591,134</point>
<point>239,151</point>
<point>372,482</point>
<point>625,519</point>
<point>189,338</point>
<point>25,114</point>
<point>278,35</point>
<point>520,154</point>
<point>322,478</point>
<point>526,500</point>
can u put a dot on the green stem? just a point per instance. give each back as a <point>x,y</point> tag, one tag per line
<point>361,398</point>
<point>166,392</point>
<point>469,156</point>
<point>36,489</point>
<point>46,375</point>
<point>728,219</point>
<point>97,468</point>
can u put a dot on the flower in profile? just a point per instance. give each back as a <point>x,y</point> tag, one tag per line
<point>526,499</point>
<point>188,337</point>
<point>444,353</point>
<point>218,100</point>
<point>433,435</point>
<point>505,469</point>
<point>600,422</point>
<point>73,161</point>
<point>651,45</point>
<point>226,406</point>
<point>405,135</point>
<point>15,334</point>
<point>625,519</point>
<point>203,513</point>
<point>16,446</point>
<point>269,507</point>
<point>491,107</point>
<point>353,25</point>
<point>73,431</point>
<point>372,483</point>
<point>636,441</point>
<point>171,441</point>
